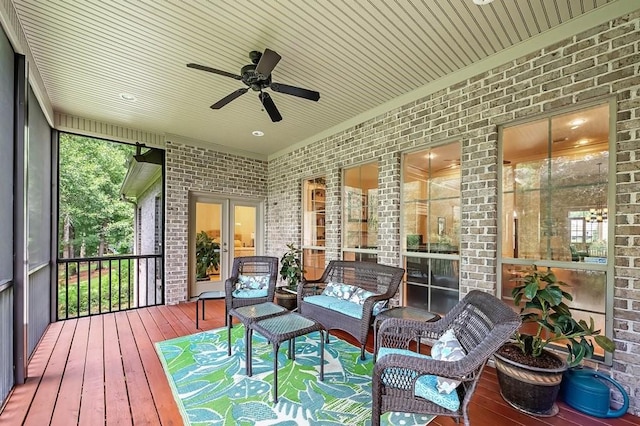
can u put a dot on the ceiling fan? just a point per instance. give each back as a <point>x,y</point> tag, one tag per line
<point>257,76</point>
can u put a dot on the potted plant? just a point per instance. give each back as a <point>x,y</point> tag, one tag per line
<point>528,373</point>
<point>291,266</point>
<point>207,255</point>
<point>291,272</point>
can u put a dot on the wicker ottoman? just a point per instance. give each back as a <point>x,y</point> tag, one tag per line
<point>281,328</point>
<point>247,315</point>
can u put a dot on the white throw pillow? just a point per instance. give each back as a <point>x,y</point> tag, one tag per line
<point>447,348</point>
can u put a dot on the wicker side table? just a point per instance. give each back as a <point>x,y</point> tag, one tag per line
<point>247,315</point>
<point>403,312</point>
<point>281,328</point>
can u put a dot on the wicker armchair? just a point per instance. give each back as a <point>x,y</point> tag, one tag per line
<point>480,322</point>
<point>250,265</point>
<point>247,265</point>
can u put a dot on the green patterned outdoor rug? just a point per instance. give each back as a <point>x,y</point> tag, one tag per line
<point>211,388</point>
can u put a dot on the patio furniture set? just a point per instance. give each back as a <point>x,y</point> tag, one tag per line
<point>353,298</point>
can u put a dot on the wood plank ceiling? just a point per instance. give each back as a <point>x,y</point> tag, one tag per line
<point>358,54</point>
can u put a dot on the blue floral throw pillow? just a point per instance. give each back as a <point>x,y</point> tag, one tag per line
<point>252,282</point>
<point>360,295</point>
<point>447,348</point>
<point>338,290</point>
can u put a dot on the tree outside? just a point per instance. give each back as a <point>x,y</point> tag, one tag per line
<point>93,219</point>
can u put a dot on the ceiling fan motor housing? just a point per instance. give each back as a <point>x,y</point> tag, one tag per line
<point>253,80</point>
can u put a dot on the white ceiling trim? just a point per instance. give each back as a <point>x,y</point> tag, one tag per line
<point>177,139</point>
<point>581,23</point>
<point>99,129</point>
<point>11,25</point>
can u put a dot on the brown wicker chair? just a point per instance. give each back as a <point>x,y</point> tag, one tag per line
<point>250,265</point>
<point>481,323</point>
<point>247,265</point>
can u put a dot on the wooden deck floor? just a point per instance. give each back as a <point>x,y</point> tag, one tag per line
<point>104,370</point>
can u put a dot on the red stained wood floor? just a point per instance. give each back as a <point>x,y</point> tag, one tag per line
<point>104,370</point>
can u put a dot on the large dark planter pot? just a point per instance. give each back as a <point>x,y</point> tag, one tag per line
<point>530,389</point>
<point>286,300</point>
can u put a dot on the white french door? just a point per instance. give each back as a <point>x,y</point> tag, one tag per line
<point>234,225</point>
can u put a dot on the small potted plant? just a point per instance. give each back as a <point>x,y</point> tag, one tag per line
<point>528,373</point>
<point>291,272</point>
<point>291,266</point>
<point>207,255</point>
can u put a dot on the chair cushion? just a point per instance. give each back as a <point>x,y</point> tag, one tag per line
<point>339,290</point>
<point>253,282</point>
<point>404,372</point>
<point>447,348</point>
<point>360,295</point>
<point>335,304</point>
<point>386,351</point>
<point>247,293</point>
<point>426,386</point>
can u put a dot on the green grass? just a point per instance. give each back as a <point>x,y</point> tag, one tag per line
<point>103,297</point>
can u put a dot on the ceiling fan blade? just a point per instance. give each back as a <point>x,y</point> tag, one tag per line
<point>312,95</point>
<point>269,106</point>
<point>222,102</point>
<point>215,71</point>
<point>267,63</point>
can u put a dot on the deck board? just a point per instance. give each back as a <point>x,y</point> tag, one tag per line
<point>92,408</point>
<point>159,387</point>
<point>16,408</point>
<point>137,384</point>
<point>117,410</point>
<point>69,396</point>
<point>105,370</point>
<point>46,396</point>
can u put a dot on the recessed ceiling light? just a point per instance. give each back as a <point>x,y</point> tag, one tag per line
<point>257,133</point>
<point>481,2</point>
<point>577,122</point>
<point>127,97</point>
<point>583,141</point>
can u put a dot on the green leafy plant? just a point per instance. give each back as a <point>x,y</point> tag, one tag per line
<point>207,254</point>
<point>544,305</point>
<point>291,266</point>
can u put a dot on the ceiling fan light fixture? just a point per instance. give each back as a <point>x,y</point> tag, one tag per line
<point>482,2</point>
<point>257,133</point>
<point>128,97</point>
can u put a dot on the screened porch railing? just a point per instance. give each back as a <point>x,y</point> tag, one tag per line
<point>97,285</point>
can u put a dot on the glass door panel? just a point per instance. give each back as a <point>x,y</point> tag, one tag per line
<point>209,246</point>
<point>244,230</point>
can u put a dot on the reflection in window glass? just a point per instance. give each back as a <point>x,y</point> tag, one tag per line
<point>431,227</point>
<point>555,187</point>
<point>313,227</point>
<point>360,209</point>
<point>555,205</point>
